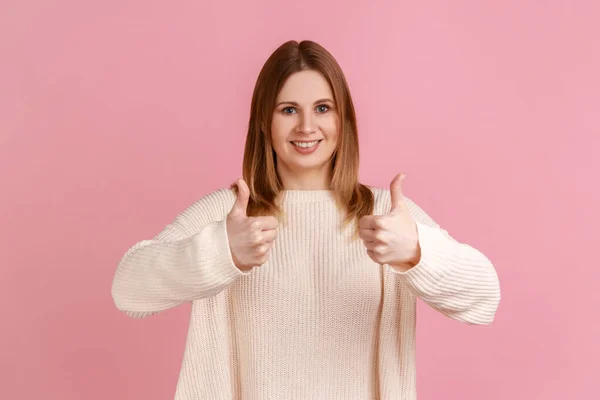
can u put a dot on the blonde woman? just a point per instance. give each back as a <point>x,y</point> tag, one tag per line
<point>303,281</point>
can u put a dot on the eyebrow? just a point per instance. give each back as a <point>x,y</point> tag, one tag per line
<point>293,103</point>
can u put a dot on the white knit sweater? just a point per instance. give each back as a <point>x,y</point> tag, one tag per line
<point>319,320</point>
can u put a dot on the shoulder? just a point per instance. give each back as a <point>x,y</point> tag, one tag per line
<point>383,204</point>
<point>213,206</point>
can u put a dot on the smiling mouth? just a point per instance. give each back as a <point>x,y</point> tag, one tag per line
<point>306,145</point>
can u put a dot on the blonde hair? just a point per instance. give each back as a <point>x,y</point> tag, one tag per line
<point>260,160</point>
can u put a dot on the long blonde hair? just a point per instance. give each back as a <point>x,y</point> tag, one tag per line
<point>260,160</point>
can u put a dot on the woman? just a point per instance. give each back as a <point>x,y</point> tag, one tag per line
<point>303,282</point>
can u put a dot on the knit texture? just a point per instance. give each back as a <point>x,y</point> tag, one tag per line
<point>319,320</point>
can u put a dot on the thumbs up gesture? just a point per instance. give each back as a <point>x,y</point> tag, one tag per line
<point>250,238</point>
<point>393,238</point>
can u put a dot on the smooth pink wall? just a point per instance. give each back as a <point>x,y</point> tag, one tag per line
<point>116,115</point>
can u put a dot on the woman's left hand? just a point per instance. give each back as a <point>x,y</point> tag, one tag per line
<point>393,238</point>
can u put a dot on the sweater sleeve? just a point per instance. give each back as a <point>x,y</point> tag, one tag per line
<point>453,278</point>
<point>189,260</point>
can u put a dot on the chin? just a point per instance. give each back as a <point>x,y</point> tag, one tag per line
<point>307,165</point>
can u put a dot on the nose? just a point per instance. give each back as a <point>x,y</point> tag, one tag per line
<point>307,125</point>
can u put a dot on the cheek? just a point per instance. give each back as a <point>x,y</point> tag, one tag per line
<point>279,132</point>
<point>284,122</point>
<point>331,130</point>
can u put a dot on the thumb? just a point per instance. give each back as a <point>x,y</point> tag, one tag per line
<point>396,194</point>
<point>243,195</point>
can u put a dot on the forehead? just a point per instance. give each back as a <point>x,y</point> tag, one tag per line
<point>305,87</point>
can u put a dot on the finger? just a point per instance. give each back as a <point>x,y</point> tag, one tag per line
<point>264,248</point>
<point>269,236</point>
<point>243,196</point>
<point>369,245</point>
<point>368,235</point>
<point>267,223</point>
<point>377,249</point>
<point>367,222</point>
<point>374,256</point>
<point>397,196</point>
<point>375,222</point>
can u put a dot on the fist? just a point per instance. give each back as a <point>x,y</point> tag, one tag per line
<point>392,239</point>
<point>250,238</point>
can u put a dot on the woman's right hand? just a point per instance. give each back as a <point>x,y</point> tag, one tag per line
<point>250,238</point>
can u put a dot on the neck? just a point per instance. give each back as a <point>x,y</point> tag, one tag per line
<point>306,180</point>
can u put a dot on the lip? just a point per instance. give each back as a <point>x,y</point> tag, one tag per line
<point>303,150</point>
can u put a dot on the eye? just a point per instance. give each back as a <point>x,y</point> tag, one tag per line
<point>288,110</point>
<point>322,108</point>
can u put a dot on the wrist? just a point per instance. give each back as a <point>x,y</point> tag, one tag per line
<point>404,266</point>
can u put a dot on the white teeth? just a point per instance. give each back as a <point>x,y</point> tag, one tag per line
<point>305,145</point>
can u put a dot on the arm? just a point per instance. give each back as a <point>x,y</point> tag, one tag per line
<point>189,260</point>
<point>451,277</point>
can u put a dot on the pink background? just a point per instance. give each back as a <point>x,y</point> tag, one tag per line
<point>116,115</point>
